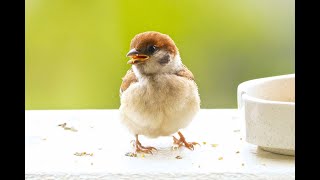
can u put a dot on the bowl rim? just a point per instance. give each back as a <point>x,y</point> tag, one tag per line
<point>245,96</point>
<point>244,86</point>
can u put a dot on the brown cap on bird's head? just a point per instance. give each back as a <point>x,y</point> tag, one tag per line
<point>153,38</point>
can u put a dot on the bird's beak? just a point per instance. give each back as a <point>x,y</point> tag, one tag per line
<point>136,57</point>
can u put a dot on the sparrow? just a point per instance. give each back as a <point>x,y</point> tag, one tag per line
<point>158,94</point>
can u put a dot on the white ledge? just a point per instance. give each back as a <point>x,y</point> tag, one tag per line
<point>50,149</point>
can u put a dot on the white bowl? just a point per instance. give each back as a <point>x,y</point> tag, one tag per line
<point>268,106</point>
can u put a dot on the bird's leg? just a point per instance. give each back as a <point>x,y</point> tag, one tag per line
<point>182,141</point>
<point>139,148</point>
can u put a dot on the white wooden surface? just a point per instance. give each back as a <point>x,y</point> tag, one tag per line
<point>50,149</point>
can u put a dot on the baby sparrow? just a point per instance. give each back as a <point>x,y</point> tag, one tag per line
<point>158,94</point>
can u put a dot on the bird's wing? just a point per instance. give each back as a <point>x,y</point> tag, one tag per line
<point>185,72</point>
<point>129,78</point>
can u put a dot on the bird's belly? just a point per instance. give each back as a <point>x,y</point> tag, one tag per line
<point>159,107</point>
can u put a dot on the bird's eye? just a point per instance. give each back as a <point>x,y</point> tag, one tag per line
<point>152,49</point>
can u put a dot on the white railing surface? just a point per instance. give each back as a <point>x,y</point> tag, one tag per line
<point>92,144</point>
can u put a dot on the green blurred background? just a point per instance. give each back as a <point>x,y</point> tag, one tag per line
<point>75,50</point>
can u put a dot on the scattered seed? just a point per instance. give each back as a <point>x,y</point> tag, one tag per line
<point>83,154</point>
<point>237,130</point>
<point>263,164</point>
<point>242,164</point>
<point>67,128</point>
<point>63,125</point>
<point>142,155</point>
<point>91,164</point>
<point>220,158</point>
<point>240,138</point>
<point>238,152</point>
<point>214,145</point>
<point>204,142</point>
<point>130,154</point>
<point>44,139</point>
<point>199,166</point>
<point>73,129</point>
<point>178,157</point>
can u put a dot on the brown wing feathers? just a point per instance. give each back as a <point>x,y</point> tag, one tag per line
<point>185,72</point>
<point>129,78</point>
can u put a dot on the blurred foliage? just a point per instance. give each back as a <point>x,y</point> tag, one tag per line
<point>75,50</point>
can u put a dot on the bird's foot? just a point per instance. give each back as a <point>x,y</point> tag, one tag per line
<point>182,142</point>
<point>143,149</point>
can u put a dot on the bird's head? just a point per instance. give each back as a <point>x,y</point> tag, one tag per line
<point>153,53</point>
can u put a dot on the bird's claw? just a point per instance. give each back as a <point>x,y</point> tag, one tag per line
<point>191,145</point>
<point>140,148</point>
<point>147,150</point>
<point>182,142</point>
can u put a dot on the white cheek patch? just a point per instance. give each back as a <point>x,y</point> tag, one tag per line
<point>176,62</point>
<point>173,65</point>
